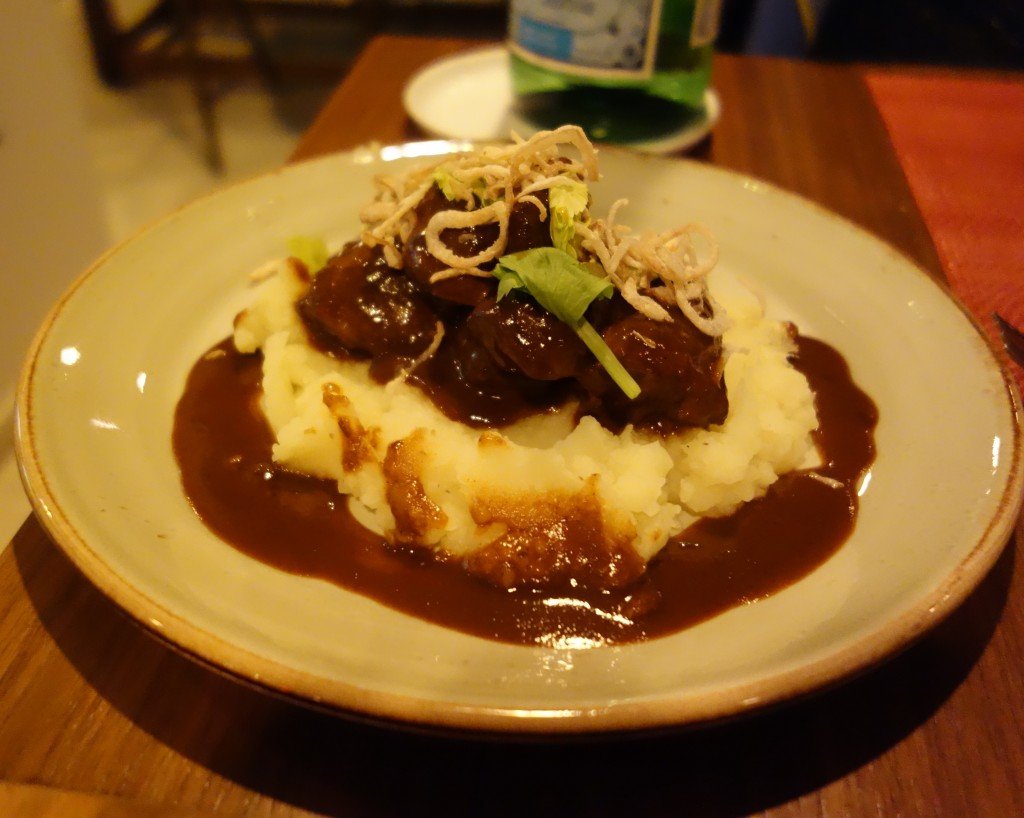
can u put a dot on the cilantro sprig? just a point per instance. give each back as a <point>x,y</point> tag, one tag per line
<point>565,288</point>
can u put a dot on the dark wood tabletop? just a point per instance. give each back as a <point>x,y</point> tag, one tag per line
<point>99,718</point>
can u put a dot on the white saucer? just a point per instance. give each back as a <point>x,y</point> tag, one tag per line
<point>469,96</point>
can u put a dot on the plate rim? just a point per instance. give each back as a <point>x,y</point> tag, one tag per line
<point>351,700</point>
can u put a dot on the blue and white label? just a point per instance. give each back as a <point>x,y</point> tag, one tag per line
<point>545,39</point>
<point>601,36</point>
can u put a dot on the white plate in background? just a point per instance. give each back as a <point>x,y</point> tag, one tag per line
<point>469,96</point>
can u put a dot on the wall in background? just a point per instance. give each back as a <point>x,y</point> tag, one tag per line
<point>51,222</point>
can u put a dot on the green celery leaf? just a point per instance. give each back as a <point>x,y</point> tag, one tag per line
<point>558,282</point>
<point>612,365</point>
<point>566,202</point>
<point>310,250</point>
<point>455,189</point>
<point>479,188</point>
<point>451,187</point>
<point>508,281</point>
<point>565,288</point>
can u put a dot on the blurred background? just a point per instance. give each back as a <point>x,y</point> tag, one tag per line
<point>113,112</point>
<point>172,96</point>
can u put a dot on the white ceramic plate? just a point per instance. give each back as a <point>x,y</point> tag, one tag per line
<point>94,429</point>
<point>469,96</point>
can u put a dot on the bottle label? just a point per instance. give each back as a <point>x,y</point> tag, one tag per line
<point>596,38</point>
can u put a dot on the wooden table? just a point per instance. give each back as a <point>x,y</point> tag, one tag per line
<point>89,703</point>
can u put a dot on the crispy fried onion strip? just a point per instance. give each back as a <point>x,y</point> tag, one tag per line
<point>427,354</point>
<point>449,272</point>
<point>453,219</point>
<point>654,272</point>
<point>492,174</point>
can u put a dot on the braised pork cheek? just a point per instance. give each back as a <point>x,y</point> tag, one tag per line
<point>500,360</point>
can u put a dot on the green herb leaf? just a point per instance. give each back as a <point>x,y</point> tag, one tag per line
<point>455,189</point>
<point>595,343</point>
<point>310,250</point>
<point>567,201</point>
<point>565,288</point>
<point>479,188</point>
<point>508,281</point>
<point>561,285</point>
<point>451,187</point>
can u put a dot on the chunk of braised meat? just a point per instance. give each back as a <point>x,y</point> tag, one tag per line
<point>421,265</point>
<point>603,312</point>
<point>525,230</point>
<point>523,337</point>
<point>679,371</point>
<point>504,360</point>
<point>359,304</point>
<point>466,383</point>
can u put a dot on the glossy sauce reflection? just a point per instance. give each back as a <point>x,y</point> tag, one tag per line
<point>302,525</point>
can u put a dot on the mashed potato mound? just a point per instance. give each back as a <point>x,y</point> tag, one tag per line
<point>501,500</point>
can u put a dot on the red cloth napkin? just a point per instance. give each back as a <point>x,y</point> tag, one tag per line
<point>960,141</point>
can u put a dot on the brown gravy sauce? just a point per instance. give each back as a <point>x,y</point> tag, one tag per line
<point>302,525</point>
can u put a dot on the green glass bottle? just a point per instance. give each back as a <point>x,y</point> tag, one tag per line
<point>625,71</point>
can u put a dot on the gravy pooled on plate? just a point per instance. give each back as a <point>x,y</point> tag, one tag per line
<point>503,414</point>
